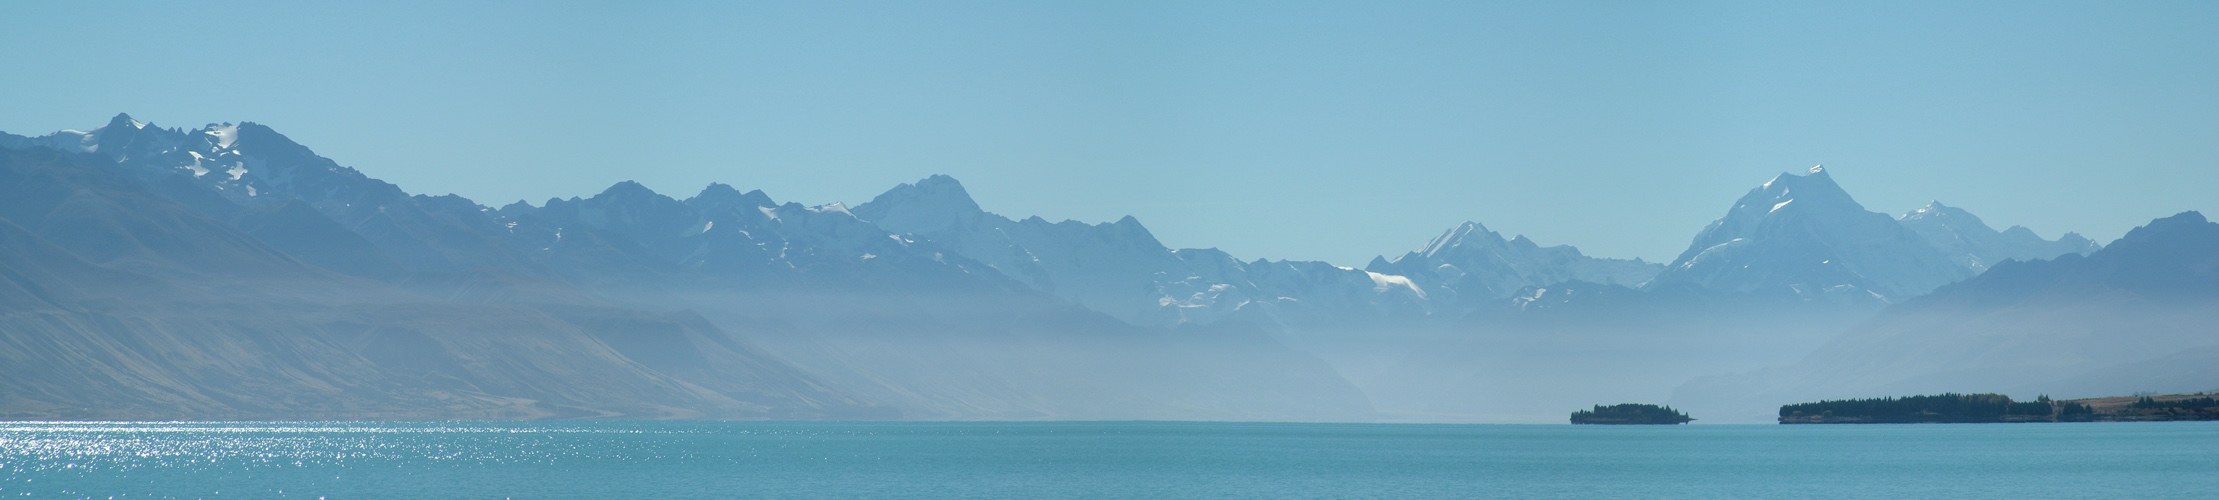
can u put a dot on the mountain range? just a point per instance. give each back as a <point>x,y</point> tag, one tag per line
<point>228,272</point>
<point>1768,282</point>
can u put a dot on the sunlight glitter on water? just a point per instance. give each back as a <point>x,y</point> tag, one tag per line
<point>1088,459</point>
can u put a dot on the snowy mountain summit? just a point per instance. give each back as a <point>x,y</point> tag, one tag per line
<point>245,162</point>
<point>1801,237</point>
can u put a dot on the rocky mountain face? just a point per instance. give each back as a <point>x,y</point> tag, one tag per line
<point>2134,316</point>
<point>1972,244</point>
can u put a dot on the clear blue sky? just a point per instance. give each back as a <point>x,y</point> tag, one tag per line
<point>1269,129</point>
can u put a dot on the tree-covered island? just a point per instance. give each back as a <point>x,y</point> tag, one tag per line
<point>1630,414</point>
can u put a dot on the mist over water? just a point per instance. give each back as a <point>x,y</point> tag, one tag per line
<point>1112,460</point>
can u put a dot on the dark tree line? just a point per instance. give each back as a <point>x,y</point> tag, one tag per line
<point>1943,408</point>
<point>2145,403</point>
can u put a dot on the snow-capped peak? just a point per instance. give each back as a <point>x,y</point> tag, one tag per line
<point>938,193</point>
<point>1459,236</point>
<point>934,204</point>
<point>1935,208</point>
<point>1815,191</point>
<point>1798,235</point>
<point>123,120</point>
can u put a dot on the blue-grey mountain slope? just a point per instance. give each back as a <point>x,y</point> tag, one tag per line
<point>2136,316</point>
<point>252,166</point>
<point>119,303</point>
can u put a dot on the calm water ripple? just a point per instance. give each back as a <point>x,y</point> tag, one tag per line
<point>1108,460</point>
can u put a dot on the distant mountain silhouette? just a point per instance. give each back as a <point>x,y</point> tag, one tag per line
<point>2136,316</point>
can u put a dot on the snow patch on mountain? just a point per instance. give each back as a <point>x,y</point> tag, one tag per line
<point>225,135</point>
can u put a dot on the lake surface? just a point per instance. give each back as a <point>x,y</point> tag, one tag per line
<point>347,460</point>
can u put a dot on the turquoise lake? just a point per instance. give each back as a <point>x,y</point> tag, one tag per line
<point>1110,460</point>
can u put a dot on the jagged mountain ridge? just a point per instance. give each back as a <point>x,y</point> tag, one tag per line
<point>252,166</point>
<point>1469,262</point>
<point>1972,244</point>
<point>1121,269</point>
<point>1118,267</point>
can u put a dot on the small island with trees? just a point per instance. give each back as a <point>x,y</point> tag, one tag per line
<point>1998,408</point>
<point>1630,414</point>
